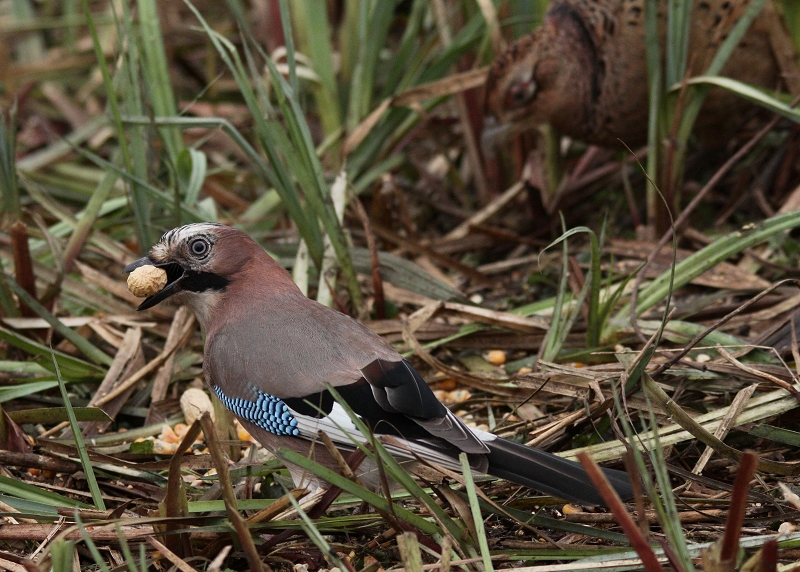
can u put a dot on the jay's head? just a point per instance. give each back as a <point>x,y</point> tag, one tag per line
<point>203,261</point>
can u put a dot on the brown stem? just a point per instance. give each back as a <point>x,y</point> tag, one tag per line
<point>229,496</point>
<point>638,541</point>
<point>377,279</point>
<point>733,527</point>
<point>23,264</point>
<point>178,543</point>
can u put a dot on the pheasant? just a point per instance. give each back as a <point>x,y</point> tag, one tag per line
<point>584,70</point>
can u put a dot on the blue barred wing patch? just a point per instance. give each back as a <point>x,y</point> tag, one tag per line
<point>267,411</point>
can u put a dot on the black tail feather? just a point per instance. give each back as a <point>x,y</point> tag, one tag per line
<point>550,474</point>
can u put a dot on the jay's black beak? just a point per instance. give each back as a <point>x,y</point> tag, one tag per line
<point>175,274</point>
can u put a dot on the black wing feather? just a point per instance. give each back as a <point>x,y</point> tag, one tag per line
<point>361,399</point>
<point>551,474</point>
<point>406,391</point>
<point>397,386</point>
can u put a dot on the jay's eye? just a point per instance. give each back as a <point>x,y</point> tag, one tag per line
<point>199,247</point>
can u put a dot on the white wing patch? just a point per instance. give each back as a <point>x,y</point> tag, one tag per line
<point>336,424</point>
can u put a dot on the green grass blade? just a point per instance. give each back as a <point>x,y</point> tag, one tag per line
<point>593,282</point>
<point>87,218</point>
<point>85,346</point>
<point>22,490</point>
<point>355,489</point>
<point>9,187</point>
<point>80,444</point>
<point>61,554</point>
<point>156,72</point>
<point>192,167</point>
<point>375,17</point>
<point>477,517</point>
<point>36,509</point>
<point>126,549</point>
<point>141,210</point>
<point>151,193</point>
<point>10,392</point>
<point>98,559</point>
<point>550,349</point>
<point>655,121</point>
<point>406,62</point>
<point>312,180</point>
<point>678,29</point>
<point>286,25</point>
<point>666,507</point>
<point>316,537</point>
<point>708,257</point>
<point>74,368</point>
<point>131,94</point>
<point>314,39</point>
<point>750,93</point>
<point>561,323</point>
<point>30,47</point>
<point>715,68</point>
<point>663,503</point>
<point>423,61</point>
<point>358,47</point>
<point>265,130</point>
<point>349,43</point>
<point>791,13</point>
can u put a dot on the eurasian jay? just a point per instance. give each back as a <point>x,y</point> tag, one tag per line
<point>270,351</point>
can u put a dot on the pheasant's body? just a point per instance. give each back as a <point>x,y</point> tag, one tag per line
<point>584,70</point>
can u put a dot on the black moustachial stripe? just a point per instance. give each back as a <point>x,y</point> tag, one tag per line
<point>203,282</point>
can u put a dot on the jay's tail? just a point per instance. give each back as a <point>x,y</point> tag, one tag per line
<point>552,475</point>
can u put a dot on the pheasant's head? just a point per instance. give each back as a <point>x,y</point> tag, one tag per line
<point>544,77</point>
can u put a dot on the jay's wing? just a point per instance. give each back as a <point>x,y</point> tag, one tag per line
<point>398,388</point>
